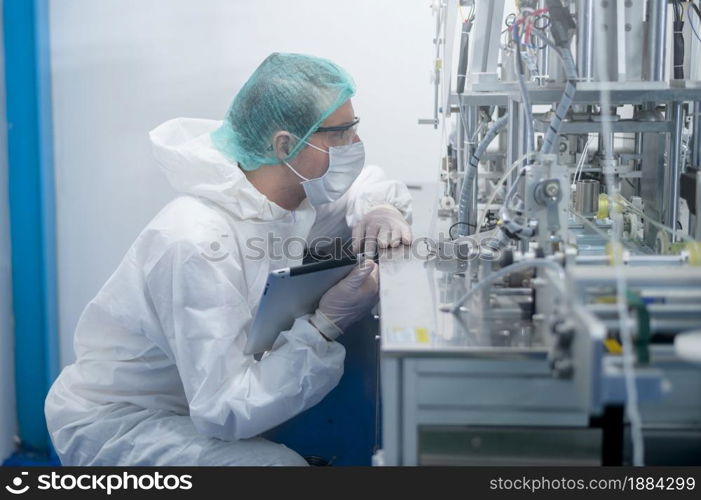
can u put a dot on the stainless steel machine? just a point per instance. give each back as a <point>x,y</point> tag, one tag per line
<point>549,310</point>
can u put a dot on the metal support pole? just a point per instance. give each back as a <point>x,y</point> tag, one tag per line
<point>639,160</point>
<point>517,146</point>
<point>471,139</point>
<point>585,23</point>
<point>696,138</point>
<point>543,65</point>
<point>656,39</point>
<point>459,155</point>
<point>697,226</point>
<point>515,139</point>
<point>543,56</point>
<point>472,219</point>
<point>673,170</point>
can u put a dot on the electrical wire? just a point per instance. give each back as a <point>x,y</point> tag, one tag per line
<point>582,160</point>
<point>698,15</point>
<point>553,131</point>
<point>677,10</point>
<point>510,225</point>
<point>453,226</point>
<point>678,40</point>
<point>470,16</point>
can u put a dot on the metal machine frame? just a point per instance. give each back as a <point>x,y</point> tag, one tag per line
<point>612,237</point>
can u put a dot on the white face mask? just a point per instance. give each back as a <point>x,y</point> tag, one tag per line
<point>345,164</point>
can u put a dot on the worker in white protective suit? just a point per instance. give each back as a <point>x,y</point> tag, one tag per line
<point>160,376</point>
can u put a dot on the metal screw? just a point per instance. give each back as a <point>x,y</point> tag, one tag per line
<point>552,190</point>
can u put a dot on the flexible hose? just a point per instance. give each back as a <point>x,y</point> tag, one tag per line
<point>468,184</point>
<point>567,97</point>
<point>501,273</point>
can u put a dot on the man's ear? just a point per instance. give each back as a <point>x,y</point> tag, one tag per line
<point>282,144</point>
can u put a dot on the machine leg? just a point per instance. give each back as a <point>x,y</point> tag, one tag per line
<point>612,436</point>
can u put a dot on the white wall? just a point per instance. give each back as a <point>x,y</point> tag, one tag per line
<point>120,67</point>
<point>8,418</point>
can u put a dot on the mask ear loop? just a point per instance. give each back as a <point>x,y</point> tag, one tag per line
<point>310,144</point>
<point>317,147</point>
<point>295,172</point>
<point>271,148</point>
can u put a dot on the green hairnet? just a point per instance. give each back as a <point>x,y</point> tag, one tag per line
<point>292,92</point>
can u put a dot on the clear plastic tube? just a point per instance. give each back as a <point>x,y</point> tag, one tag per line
<point>481,218</point>
<point>501,273</point>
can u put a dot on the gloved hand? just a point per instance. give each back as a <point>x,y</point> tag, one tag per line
<point>383,226</point>
<point>348,300</point>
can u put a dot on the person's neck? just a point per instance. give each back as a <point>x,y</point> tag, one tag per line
<point>274,182</point>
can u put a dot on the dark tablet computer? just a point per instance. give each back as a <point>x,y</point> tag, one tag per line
<point>290,293</point>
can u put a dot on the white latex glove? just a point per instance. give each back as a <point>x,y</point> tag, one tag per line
<point>383,226</point>
<point>347,301</point>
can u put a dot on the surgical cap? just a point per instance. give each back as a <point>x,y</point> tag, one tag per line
<point>291,92</point>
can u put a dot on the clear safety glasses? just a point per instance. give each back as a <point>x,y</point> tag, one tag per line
<point>340,135</point>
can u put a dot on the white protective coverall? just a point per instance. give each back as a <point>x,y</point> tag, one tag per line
<point>160,376</point>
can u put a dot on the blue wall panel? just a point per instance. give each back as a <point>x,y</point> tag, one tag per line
<point>32,214</point>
